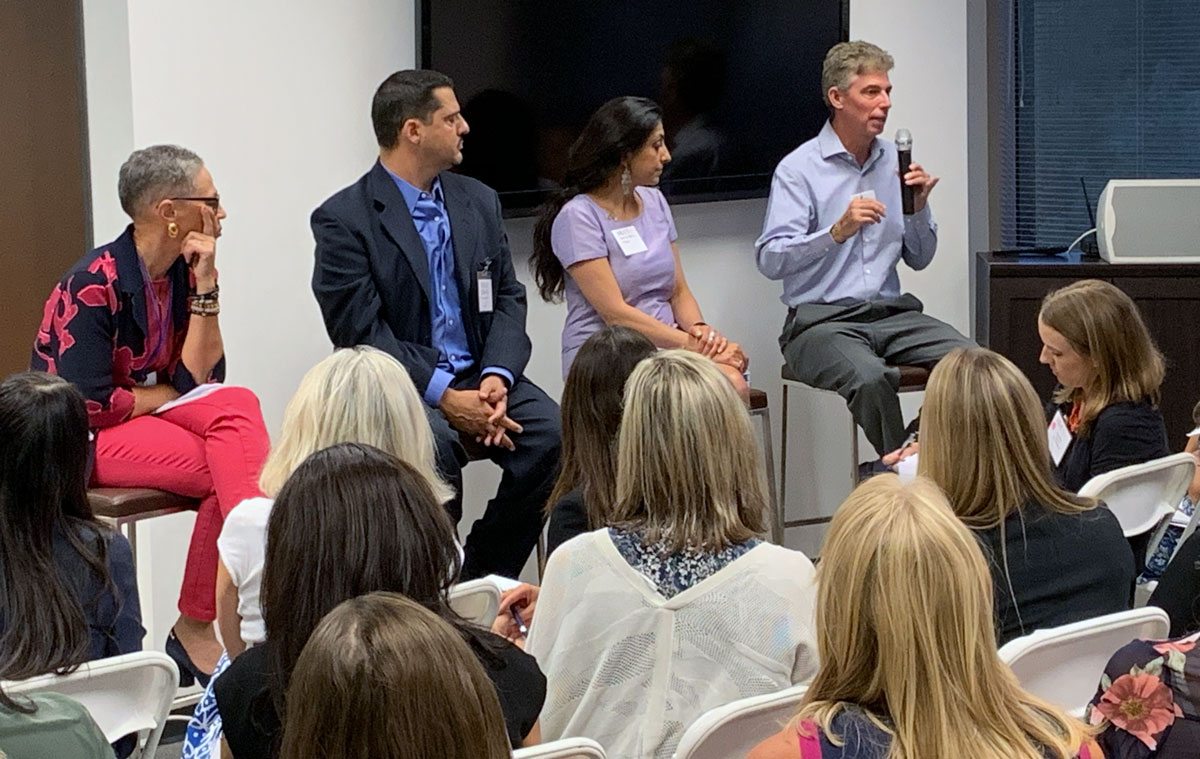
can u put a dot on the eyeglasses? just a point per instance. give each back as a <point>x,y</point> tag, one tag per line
<point>213,203</point>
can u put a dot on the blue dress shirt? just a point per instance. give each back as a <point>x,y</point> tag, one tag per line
<point>428,210</point>
<point>812,187</point>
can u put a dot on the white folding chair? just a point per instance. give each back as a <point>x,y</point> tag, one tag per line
<point>1143,496</point>
<point>476,601</point>
<point>1063,664</point>
<point>734,729</point>
<point>124,694</point>
<point>567,748</point>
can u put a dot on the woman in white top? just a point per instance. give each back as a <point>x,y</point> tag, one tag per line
<point>355,395</point>
<point>678,607</point>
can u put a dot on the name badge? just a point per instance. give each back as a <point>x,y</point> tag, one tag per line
<point>1059,436</point>
<point>629,240</point>
<point>483,280</point>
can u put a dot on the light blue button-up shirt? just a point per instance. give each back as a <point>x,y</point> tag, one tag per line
<point>428,210</point>
<point>812,187</point>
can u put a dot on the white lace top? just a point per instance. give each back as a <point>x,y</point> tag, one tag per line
<point>632,669</point>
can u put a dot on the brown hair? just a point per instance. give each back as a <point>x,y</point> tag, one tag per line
<point>688,471</point>
<point>1103,324</point>
<point>381,676</point>
<point>983,440</point>
<point>904,631</point>
<point>591,415</point>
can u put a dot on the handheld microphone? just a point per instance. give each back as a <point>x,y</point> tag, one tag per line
<point>904,153</point>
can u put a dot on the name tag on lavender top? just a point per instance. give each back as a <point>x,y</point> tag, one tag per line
<point>630,242</point>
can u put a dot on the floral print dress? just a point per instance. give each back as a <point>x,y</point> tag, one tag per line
<point>1148,701</point>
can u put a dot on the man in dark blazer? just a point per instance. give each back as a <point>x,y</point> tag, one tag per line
<point>413,260</point>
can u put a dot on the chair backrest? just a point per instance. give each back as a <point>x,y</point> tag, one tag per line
<point>1143,495</point>
<point>568,748</point>
<point>124,694</point>
<point>735,728</point>
<point>476,600</point>
<point>1063,664</point>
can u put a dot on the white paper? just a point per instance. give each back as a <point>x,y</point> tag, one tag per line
<point>629,240</point>
<point>907,468</point>
<point>199,391</point>
<point>151,379</point>
<point>1059,437</point>
<point>1194,432</point>
<point>868,194</point>
<point>485,295</point>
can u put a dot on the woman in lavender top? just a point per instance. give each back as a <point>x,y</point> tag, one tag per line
<point>607,241</point>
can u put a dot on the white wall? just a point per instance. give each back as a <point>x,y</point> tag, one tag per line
<point>275,96</point>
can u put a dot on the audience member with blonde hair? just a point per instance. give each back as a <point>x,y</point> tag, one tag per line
<point>909,668</point>
<point>356,394</point>
<point>1109,372</point>
<point>677,607</point>
<point>1055,557</point>
<point>381,676</point>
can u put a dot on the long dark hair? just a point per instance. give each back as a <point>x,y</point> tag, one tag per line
<point>43,491</point>
<point>351,520</point>
<point>620,127</point>
<point>591,414</point>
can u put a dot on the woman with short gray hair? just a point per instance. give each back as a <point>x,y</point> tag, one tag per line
<point>134,325</point>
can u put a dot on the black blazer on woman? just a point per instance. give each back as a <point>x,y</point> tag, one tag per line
<point>1120,435</point>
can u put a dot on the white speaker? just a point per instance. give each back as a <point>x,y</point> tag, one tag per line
<point>1149,221</point>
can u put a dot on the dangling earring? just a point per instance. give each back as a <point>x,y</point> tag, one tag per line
<point>626,182</point>
<point>172,230</point>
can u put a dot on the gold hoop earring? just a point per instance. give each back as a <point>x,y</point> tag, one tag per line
<point>172,230</point>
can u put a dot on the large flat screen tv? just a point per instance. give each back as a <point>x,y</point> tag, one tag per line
<point>739,82</point>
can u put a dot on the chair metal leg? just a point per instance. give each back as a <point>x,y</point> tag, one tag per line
<point>853,453</point>
<point>541,554</point>
<point>769,463</point>
<point>777,528</point>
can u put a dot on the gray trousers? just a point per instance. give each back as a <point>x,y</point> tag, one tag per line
<point>851,346</point>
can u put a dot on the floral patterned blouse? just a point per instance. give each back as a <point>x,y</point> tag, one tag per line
<point>673,573</point>
<point>99,332</point>
<point>1149,701</point>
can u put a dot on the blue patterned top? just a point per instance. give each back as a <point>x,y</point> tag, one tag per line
<point>673,573</point>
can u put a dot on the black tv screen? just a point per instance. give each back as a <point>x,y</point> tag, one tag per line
<point>739,82</point>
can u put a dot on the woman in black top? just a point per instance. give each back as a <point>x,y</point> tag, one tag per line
<point>68,590</point>
<point>1055,557</point>
<point>591,412</point>
<point>1109,372</point>
<point>353,520</point>
<point>382,676</point>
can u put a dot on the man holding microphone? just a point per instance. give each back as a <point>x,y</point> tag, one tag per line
<point>835,232</point>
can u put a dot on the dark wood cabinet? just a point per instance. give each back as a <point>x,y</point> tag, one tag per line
<point>1009,291</point>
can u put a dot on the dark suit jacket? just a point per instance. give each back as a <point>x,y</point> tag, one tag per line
<point>371,275</point>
